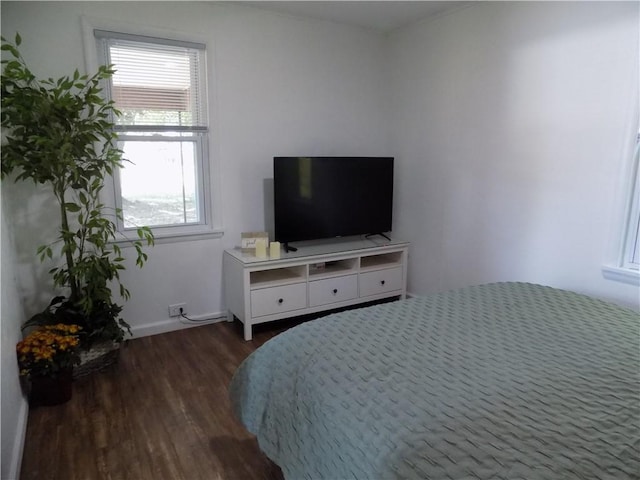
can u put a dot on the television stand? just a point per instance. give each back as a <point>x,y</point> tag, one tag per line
<point>316,278</point>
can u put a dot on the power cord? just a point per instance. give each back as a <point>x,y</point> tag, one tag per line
<point>183,315</point>
<point>199,320</point>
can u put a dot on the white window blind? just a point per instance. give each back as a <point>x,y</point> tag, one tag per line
<point>158,85</point>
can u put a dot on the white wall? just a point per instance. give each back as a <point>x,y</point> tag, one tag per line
<point>282,86</point>
<point>14,405</point>
<point>510,125</point>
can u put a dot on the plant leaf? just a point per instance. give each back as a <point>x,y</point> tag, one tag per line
<point>72,207</point>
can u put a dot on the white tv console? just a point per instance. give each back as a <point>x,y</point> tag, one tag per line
<point>318,276</point>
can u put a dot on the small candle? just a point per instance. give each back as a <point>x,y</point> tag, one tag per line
<point>261,248</point>
<point>274,249</point>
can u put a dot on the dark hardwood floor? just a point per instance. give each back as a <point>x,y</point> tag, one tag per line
<point>161,413</point>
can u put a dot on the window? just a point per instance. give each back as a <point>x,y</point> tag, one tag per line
<point>626,266</point>
<point>631,254</point>
<point>159,86</point>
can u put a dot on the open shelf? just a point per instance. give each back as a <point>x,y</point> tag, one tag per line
<point>332,268</point>
<point>277,276</point>
<point>376,262</point>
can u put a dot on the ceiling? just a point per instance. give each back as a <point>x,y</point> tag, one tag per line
<point>383,16</point>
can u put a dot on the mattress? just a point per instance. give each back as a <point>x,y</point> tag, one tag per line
<point>498,381</point>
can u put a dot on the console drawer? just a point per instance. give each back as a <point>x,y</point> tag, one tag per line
<point>380,281</point>
<point>267,301</point>
<point>333,290</point>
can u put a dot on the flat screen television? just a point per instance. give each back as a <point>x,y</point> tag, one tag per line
<point>326,197</point>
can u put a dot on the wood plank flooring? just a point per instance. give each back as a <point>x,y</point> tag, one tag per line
<point>161,413</point>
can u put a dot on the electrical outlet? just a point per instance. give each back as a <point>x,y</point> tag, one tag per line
<point>174,310</point>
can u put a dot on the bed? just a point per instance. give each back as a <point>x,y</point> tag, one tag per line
<point>498,381</point>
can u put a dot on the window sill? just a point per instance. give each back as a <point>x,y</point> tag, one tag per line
<point>624,275</point>
<point>173,237</point>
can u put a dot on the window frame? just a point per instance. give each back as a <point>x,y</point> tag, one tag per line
<point>631,255</point>
<point>201,173</point>
<point>619,267</point>
<point>208,180</point>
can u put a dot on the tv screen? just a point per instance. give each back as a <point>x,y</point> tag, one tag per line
<point>325,197</point>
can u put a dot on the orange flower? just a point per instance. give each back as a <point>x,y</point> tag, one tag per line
<point>48,347</point>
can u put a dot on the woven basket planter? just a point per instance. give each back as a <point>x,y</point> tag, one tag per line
<point>99,357</point>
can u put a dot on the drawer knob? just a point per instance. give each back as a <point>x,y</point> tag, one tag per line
<point>280,301</point>
<point>335,290</point>
<point>381,282</point>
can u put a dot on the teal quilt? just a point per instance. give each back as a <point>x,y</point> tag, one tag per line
<point>499,381</point>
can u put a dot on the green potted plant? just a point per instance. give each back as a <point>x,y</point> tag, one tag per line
<point>59,133</point>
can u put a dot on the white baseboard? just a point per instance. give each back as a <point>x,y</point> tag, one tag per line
<point>173,324</point>
<point>18,443</point>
